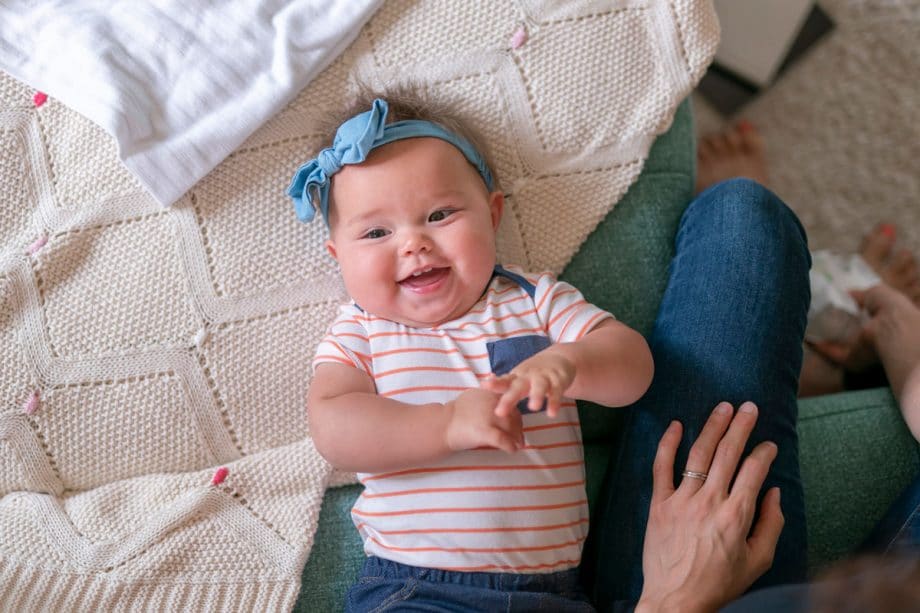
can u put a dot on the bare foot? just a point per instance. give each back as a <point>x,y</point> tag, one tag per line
<point>897,267</point>
<point>819,375</point>
<point>737,152</point>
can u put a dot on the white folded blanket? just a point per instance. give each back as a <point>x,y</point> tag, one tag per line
<point>179,84</point>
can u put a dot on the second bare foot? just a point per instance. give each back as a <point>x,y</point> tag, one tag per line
<point>897,267</point>
<point>737,152</point>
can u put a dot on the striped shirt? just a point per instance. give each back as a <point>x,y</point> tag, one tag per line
<point>481,509</point>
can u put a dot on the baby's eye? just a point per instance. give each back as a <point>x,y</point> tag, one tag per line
<point>375,233</point>
<point>440,215</point>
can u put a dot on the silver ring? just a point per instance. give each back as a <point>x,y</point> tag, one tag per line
<point>695,475</point>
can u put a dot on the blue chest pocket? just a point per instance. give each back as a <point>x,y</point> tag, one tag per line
<point>507,353</point>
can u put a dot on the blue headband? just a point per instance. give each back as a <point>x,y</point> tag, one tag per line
<point>354,140</point>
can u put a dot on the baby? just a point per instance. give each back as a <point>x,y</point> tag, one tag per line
<point>448,383</point>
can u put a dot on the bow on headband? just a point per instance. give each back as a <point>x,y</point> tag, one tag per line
<point>354,140</point>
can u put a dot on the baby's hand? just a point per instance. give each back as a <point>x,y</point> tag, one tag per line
<point>545,375</point>
<point>474,423</point>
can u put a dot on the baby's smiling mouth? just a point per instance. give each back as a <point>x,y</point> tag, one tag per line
<point>424,277</point>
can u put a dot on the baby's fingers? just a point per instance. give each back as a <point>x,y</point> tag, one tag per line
<point>539,387</point>
<point>499,385</point>
<point>499,439</point>
<point>516,390</point>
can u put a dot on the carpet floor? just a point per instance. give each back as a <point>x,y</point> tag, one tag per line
<point>842,126</point>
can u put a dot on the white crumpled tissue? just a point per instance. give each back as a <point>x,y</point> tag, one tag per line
<point>834,315</point>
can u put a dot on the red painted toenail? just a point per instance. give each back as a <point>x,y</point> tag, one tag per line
<point>888,230</point>
<point>745,126</point>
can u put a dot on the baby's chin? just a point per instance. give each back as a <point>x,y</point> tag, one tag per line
<point>425,320</point>
<point>426,317</point>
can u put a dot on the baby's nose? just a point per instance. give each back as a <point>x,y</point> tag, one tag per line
<point>416,242</point>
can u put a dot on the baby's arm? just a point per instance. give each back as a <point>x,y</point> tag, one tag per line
<point>613,364</point>
<point>357,430</point>
<point>610,365</point>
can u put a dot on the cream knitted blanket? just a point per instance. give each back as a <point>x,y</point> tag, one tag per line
<point>154,451</point>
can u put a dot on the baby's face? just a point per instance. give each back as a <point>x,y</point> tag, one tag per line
<point>413,230</point>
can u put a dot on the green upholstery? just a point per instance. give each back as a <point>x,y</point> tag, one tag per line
<point>856,454</point>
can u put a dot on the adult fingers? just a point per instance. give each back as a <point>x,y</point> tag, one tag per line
<point>763,539</point>
<point>731,447</point>
<point>663,466</point>
<point>834,351</point>
<point>700,457</point>
<point>750,479</point>
<point>859,295</point>
<point>877,297</point>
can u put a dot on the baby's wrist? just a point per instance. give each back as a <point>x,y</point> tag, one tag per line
<point>447,411</point>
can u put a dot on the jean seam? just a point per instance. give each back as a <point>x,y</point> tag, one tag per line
<point>897,535</point>
<point>401,596</point>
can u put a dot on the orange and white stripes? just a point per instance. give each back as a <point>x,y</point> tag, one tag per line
<point>480,509</point>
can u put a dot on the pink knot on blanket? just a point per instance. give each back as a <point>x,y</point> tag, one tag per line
<point>37,244</point>
<point>32,404</point>
<point>219,475</point>
<point>39,99</point>
<point>519,38</point>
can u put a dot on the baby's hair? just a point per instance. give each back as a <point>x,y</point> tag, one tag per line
<point>410,101</point>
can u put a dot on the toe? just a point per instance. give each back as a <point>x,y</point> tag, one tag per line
<point>900,272</point>
<point>734,140</point>
<point>876,247</point>
<point>903,260</point>
<point>704,151</point>
<point>720,147</point>
<point>913,292</point>
<point>751,139</point>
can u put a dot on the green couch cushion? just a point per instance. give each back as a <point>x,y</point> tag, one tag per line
<point>857,456</point>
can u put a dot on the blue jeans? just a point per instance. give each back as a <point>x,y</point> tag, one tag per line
<point>730,327</point>
<point>390,586</point>
<point>898,531</point>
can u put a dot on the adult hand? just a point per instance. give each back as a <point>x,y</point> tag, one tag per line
<point>473,423</point>
<point>891,316</point>
<point>855,354</point>
<point>700,552</point>
<point>894,319</point>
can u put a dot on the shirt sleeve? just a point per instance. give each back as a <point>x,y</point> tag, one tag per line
<point>565,313</point>
<point>346,342</point>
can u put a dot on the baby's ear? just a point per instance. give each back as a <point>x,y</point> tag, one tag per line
<point>496,206</point>
<point>330,247</point>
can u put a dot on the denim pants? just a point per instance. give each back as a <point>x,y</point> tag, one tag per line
<point>730,327</point>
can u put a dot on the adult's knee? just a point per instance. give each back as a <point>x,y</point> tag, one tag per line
<point>744,212</point>
<point>750,224</point>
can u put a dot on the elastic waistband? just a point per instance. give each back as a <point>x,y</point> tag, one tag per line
<point>561,582</point>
